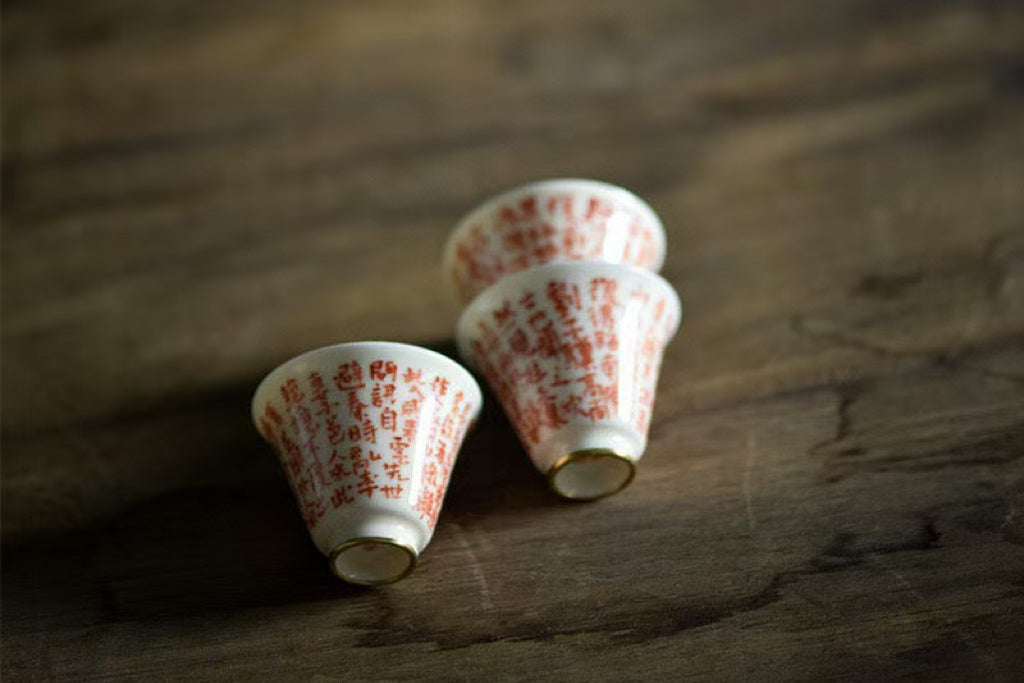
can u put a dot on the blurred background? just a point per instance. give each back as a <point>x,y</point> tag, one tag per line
<point>195,191</point>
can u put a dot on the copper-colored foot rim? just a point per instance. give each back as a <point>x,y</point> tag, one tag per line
<point>368,540</point>
<point>591,454</point>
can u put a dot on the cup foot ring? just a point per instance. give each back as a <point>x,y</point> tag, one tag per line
<point>591,474</point>
<point>373,561</point>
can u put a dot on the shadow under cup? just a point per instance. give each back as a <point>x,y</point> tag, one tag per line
<point>367,434</point>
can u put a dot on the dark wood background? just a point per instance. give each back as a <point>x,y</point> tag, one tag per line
<point>195,191</point>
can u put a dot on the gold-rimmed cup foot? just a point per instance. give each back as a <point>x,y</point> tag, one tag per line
<point>591,474</point>
<point>373,561</point>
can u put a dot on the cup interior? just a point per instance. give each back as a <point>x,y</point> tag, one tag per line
<point>373,561</point>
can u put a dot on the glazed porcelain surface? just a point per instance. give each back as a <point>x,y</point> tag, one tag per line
<point>573,351</point>
<point>551,221</point>
<point>367,433</point>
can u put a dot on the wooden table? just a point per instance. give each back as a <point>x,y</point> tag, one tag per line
<point>834,487</point>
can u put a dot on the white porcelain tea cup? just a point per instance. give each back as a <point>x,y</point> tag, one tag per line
<point>550,221</point>
<point>367,433</point>
<point>573,352</point>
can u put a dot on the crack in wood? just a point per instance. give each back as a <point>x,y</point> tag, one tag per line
<point>886,286</point>
<point>642,624</point>
<point>847,395</point>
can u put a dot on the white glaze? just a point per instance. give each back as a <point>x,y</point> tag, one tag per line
<point>366,443</point>
<point>551,221</point>
<point>573,351</point>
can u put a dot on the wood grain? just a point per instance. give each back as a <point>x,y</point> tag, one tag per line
<point>834,487</point>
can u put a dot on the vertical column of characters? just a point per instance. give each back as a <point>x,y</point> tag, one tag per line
<point>397,469</point>
<point>463,411</point>
<point>650,345</point>
<point>551,413</point>
<point>576,241</point>
<point>452,428</point>
<point>547,241</point>
<point>378,418</point>
<point>363,433</point>
<point>342,464</point>
<point>540,405</point>
<point>536,339</point>
<point>488,346</point>
<point>469,266</point>
<point>549,346</point>
<point>595,224</point>
<point>494,355</point>
<point>517,230</point>
<point>560,385</point>
<point>605,310</point>
<point>504,336</point>
<point>577,346</point>
<point>427,500</point>
<point>308,491</point>
<point>441,449</point>
<point>275,428</point>
<point>545,342</point>
<point>640,245</point>
<point>426,494</point>
<point>662,327</point>
<point>324,414</point>
<point>546,245</point>
<point>522,377</point>
<point>327,406</point>
<point>516,384</point>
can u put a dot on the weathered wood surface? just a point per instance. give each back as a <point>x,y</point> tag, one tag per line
<point>834,487</point>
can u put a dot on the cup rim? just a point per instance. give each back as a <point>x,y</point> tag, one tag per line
<point>340,348</point>
<point>514,280</point>
<point>617,193</point>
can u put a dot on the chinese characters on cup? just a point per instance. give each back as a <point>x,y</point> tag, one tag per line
<point>367,434</point>
<point>572,351</point>
<point>566,319</point>
<point>548,222</point>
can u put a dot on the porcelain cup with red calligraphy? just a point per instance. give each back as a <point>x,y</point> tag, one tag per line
<point>573,352</point>
<point>367,433</point>
<point>551,221</point>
